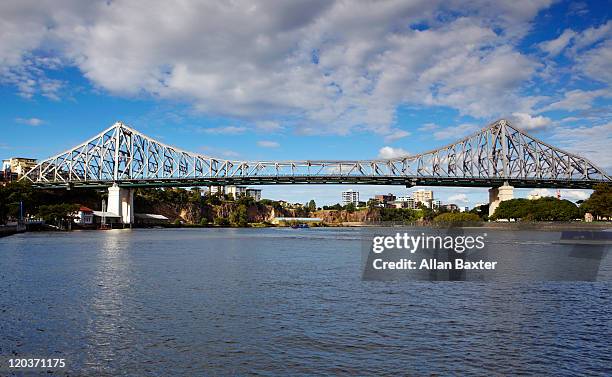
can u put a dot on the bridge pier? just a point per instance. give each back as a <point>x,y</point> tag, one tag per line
<point>498,195</point>
<point>121,202</point>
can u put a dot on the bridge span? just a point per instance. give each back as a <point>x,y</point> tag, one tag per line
<point>499,156</point>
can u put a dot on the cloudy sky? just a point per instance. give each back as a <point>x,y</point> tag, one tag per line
<point>306,79</point>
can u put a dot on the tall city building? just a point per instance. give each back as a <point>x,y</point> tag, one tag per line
<point>350,196</point>
<point>423,196</point>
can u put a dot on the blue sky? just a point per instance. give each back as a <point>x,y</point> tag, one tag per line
<point>306,79</point>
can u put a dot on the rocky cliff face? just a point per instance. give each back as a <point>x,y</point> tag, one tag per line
<point>343,216</point>
<point>193,213</point>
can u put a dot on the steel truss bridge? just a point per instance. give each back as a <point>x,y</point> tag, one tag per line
<point>499,153</point>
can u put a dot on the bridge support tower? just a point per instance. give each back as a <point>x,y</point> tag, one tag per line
<point>498,195</point>
<point>121,202</point>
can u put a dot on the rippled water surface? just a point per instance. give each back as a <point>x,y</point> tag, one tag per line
<point>280,301</point>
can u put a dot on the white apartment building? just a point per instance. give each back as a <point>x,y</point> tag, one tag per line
<point>236,191</point>
<point>407,202</point>
<point>350,196</point>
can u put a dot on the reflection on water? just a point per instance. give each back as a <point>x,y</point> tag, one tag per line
<point>110,283</point>
<point>282,301</point>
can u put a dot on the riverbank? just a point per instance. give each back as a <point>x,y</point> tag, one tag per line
<point>9,230</point>
<point>508,226</point>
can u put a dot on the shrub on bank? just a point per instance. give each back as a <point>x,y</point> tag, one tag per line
<point>457,218</point>
<point>543,209</point>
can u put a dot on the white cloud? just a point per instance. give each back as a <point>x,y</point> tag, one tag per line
<point>555,46</point>
<point>574,42</point>
<point>395,135</point>
<point>591,142</point>
<point>268,144</point>
<point>331,65</point>
<point>529,122</point>
<point>458,198</point>
<point>596,63</point>
<point>226,130</point>
<point>455,132</point>
<point>390,152</point>
<point>541,192</point>
<point>428,127</point>
<point>591,36</point>
<point>577,99</point>
<point>572,195</point>
<point>268,126</point>
<point>590,50</point>
<point>30,121</point>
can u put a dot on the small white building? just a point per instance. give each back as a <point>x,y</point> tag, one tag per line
<point>84,216</point>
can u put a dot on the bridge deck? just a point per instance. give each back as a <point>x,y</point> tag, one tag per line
<point>360,180</point>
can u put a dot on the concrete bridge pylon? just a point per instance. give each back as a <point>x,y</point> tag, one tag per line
<point>498,195</point>
<point>121,203</point>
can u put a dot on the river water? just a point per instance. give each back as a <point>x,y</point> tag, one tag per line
<point>281,301</point>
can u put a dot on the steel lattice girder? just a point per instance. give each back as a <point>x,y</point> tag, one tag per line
<point>496,154</point>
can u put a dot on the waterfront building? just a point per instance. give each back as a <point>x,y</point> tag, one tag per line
<point>214,190</point>
<point>423,196</point>
<point>350,196</point>
<point>236,191</point>
<point>254,193</point>
<point>84,216</point>
<point>398,204</point>
<point>385,199</point>
<point>18,165</point>
<point>450,207</point>
<point>408,202</point>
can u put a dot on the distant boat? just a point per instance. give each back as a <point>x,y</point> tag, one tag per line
<point>299,226</point>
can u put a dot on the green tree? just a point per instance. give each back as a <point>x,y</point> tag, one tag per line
<point>456,218</point>
<point>543,209</point>
<point>599,204</point>
<point>220,221</point>
<point>58,214</point>
<point>373,203</point>
<point>406,215</point>
<point>239,216</point>
<point>482,211</point>
<point>312,206</point>
<point>350,207</point>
